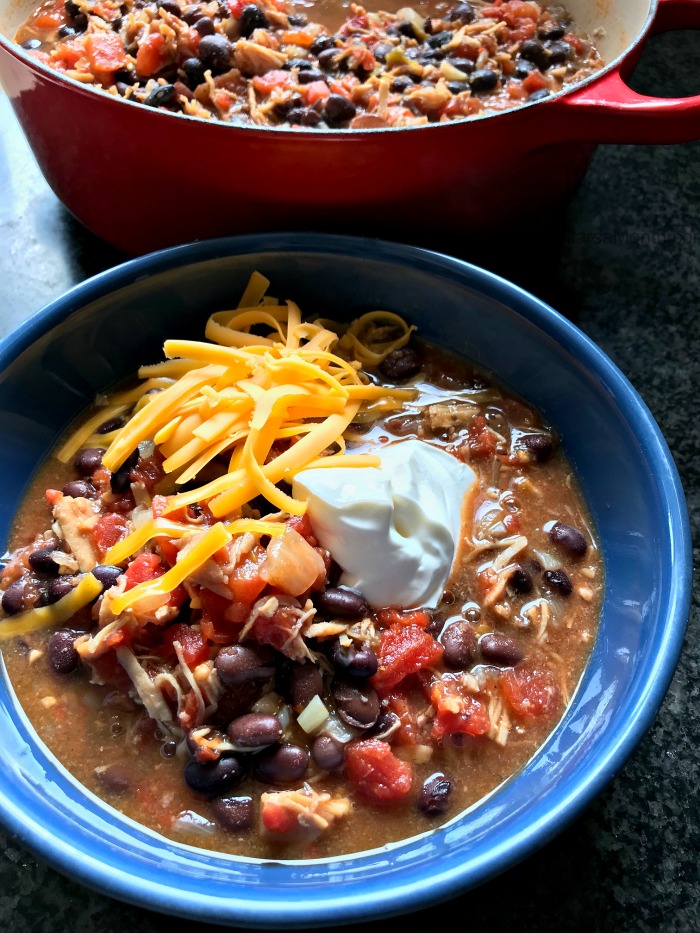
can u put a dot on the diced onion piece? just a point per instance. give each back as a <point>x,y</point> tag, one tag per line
<point>313,716</point>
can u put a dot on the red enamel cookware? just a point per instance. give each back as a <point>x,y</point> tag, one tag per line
<point>142,178</point>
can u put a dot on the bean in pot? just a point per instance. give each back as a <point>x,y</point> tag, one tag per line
<point>63,657</point>
<point>252,18</point>
<point>483,80</point>
<point>88,460</point>
<point>215,52</point>
<point>459,641</point>
<point>305,682</point>
<point>17,597</point>
<point>359,661</point>
<point>558,581</point>
<point>498,649</point>
<point>58,588</point>
<point>213,777</point>
<point>342,603</point>
<point>357,704</point>
<point>255,730</point>
<point>239,664</point>
<point>107,574</point>
<point>539,446</point>
<point>233,814</point>
<point>42,560</point>
<point>520,581</point>
<point>401,364</point>
<point>434,797</point>
<point>282,765</point>
<point>79,488</point>
<point>569,539</point>
<point>327,752</point>
<point>534,51</point>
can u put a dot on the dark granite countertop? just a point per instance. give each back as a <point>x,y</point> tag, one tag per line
<point>624,263</point>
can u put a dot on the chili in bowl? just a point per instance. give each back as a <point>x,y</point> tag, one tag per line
<point>320,656</point>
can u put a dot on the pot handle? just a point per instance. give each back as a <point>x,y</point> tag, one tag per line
<point>609,111</point>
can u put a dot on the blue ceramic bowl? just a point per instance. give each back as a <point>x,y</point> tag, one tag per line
<point>53,365</point>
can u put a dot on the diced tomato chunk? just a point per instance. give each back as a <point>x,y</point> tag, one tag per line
<point>264,84</point>
<point>105,51</point>
<point>149,58</point>
<point>148,471</point>
<point>420,617</point>
<point>530,692</point>
<point>457,710</point>
<point>403,650</point>
<point>278,819</point>
<point>110,528</point>
<point>245,580</point>
<point>376,773</point>
<point>316,90</point>
<point>195,649</point>
<point>535,81</point>
<point>142,568</point>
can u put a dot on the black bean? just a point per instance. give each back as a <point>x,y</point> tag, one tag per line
<point>401,364</point>
<point>162,96</point>
<point>323,44</point>
<point>539,446</point>
<point>90,459</point>
<point>252,18</point>
<point>31,44</point>
<point>205,26</point>
<point>116,778</point>
<point>559,52</point>
<point>194,71</point>
<point>460,13</point>
<point>305,682</point>
<point>342,602</point>
<point>255,730</point>
<point>552,32</point>
<point>124,79</point>
<point>111,424</point>
<point>328,59</point>
<point>439,39</point>
<point>358,661</point>
<point>406,29</point>
<point>16,598</point>
<point>430,56</point>
<point>501,650</point>
<point>59,587</point>
<point>167,749</point>
<point>558,580</point>
<point>303,116</point>
<point>233,814</point>
<point>238,664</point>
<point>569,539</point>
<point>215,52</point>
<point>213,777</point>
<point>434,797</point>
<point>282,765</point>
<point>357,704</point>
<point>328,753</point>
<point>80,22</point>
<point>170,6</point>
<point>120,481</point>
<point>539,95</point>
<point>72,9</point>
<point>459,642</point>
<point>463,64</point>
<point>308,75</point>
<point>191,14</point>
<point>534,51</point>
<point>338,110</point>
<point>401,83</point>
<point>298,19</point>
<point>386,724</point>
<point>523,68</point>
<point>63,657</point>
<point>303,64</point>
<point>520,581</point>
<point>381,51</point>
<point>64,32</point>
<point>79,488</point>
<point>483,80</point>
<point>107,574</point>
<point>42,561</point>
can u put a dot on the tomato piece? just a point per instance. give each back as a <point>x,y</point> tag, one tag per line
<point>195,649</point>
<point>481,440</point>
<point>302,525</point>
<point>149,58</point>
<point>245,580</point>
<point>376,773</point>
<point>105,51</point>
<point>278,819</point>
<point>457,710</point>
<point>148,471</point>
<point>409,731</point>
<point>535,81</point>
<point>142,568</point>
<point>110,528</point>
<point>215,625</point>
<point>530,692</point>
<point>403,650</point>
<point>316,90</point>
<point>237,6</point>
<point>420,617</point>
<point>264,84</point>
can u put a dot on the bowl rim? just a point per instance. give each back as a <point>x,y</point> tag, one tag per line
<point>569,800</point>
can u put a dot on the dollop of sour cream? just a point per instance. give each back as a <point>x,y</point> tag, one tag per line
<point>394,529</point>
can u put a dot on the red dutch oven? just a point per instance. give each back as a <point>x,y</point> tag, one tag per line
<point>143,179</point>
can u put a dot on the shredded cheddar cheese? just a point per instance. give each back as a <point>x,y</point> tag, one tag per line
<point>58,613</point>
<point>265,390</point>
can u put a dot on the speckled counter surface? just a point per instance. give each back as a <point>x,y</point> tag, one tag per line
<point>624,264</point>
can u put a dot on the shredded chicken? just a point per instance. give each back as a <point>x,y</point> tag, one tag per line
<point>76,518</point>
<point>314,811</point>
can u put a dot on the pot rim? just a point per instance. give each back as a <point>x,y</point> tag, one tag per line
<point>328,133</point>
